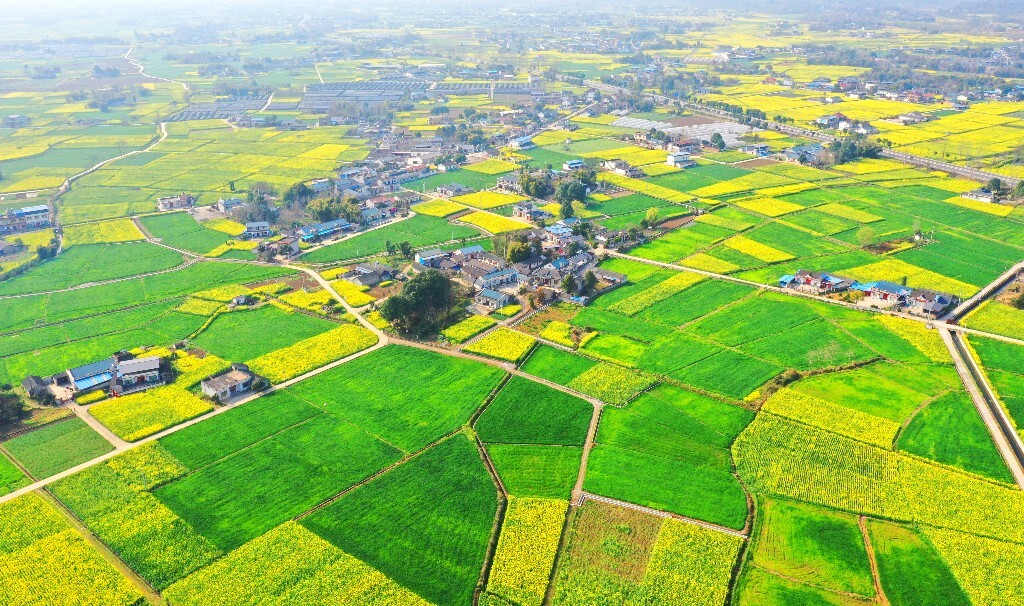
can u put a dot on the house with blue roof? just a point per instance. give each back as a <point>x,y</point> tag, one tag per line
<point>816,282</point>
<point>522,143</point>
<point>121,374</point>
<point>498,278</point>
<point>430,258</point>
<point>322,230</point>
<point>91,376</point>
<point>884,291</point>
<point>470,251</point>
<point>20,219</point>
<point>492,299</point>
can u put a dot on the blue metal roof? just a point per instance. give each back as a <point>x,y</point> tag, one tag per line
<point>890,287</point>
<point>323,228</point>
<point>89,370</point>
<point>93,381</point>
<point>502,272</point>
<point>492,294</point>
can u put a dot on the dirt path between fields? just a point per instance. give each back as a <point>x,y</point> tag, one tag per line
<point>872,560</point>
<point>184,265</point>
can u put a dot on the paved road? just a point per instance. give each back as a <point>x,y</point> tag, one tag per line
<point>1003,434</point>
<point>142,70</point>
<point>83,413</point>
<point>989,290</point>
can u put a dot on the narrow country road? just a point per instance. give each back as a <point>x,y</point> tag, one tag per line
<point>82,412</point>
<point>1004,435</point>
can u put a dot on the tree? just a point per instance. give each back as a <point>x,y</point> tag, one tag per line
<point>324,209</point>
<point>406,249</point>
<point>231,185</point>
<point>11,409</point>
<point>718,141</point>
<point>567,191</point>
<point>518,251</point>
<point>995,185</point>
<point>865,236</point>
<point>298,193</point>
<point>652,215</point>
<point>569,284</point>
<point>1018,191</point>
<point>535,187</point>
<point>423,306</point>
<point>589,281</point>
<point>565,209</point>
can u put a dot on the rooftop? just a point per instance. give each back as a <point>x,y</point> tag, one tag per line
<point>147,364</point>
<point>227,380</point>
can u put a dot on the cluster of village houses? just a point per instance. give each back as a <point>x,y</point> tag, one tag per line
<point>855,88</point>
<point>882,294</point>
<point>497,282</point>
<point>123,374</point>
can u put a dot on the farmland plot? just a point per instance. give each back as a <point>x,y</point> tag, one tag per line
<point>420,231</point>
<point>243,335</point>
<point>621,556</point>
<point>309,354</point>
<point>439,507</point>
<point>643,449</point>
<point>220,436</point>
<point>778,457</point>
<point>291,565</point>
<point>56,447</point>
<point>148,536</point>
<point>221,500</point>
<point>526,412</point>
<point>814,546</point>
<point>910,569</point>
<point>949,430</point>
<point>92,263</point>
<point>46,561</point>
<point>536,470</point>
<point>526,550</point>
<point>427,394</point>
<point>180,230</point>
<point>135,416</point>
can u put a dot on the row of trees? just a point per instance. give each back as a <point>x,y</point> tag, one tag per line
<point>996,186</point>
<point>852,148</point>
